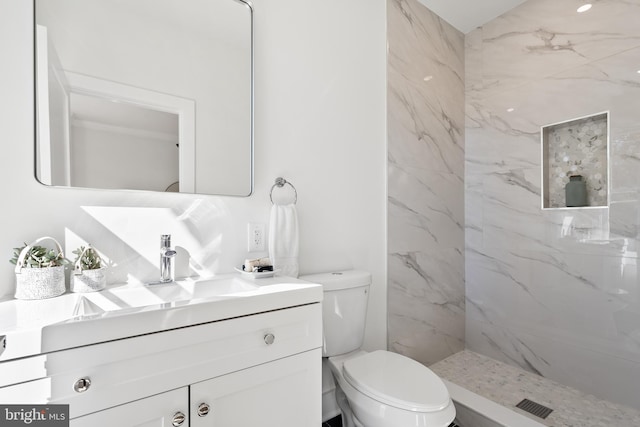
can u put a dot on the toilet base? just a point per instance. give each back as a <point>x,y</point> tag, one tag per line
<point>345,408</point>
<point>349,419</point>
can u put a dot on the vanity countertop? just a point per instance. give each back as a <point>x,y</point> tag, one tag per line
<point>120,311</point>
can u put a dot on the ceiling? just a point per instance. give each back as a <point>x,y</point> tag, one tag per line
<point>467,15</point>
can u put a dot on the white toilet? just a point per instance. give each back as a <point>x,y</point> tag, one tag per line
<point>381,388</point>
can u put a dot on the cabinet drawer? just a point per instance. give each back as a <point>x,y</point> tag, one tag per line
<point>129,369</point>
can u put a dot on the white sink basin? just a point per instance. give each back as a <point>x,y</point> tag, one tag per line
<point>122,297</point>
<point>72,320</point>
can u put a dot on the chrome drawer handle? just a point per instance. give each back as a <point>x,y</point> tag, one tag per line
<point>203,410</point>
<point>269,339</point>
<point>178,419</point>
<point>82,385</point>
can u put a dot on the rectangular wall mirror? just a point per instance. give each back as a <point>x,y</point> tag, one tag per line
<point>575,163</point>
<point>150,95</point>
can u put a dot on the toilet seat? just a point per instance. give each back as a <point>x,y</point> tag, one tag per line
<point>397,381</point>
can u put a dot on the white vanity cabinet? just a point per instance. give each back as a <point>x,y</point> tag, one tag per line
<point>261,369</point>
<point>167,409</point>
<point>280,393</point>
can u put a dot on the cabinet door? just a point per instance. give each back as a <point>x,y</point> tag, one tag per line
<point>283,393</point>
<point>162,410</point>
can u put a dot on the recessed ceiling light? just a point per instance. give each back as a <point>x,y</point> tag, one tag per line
<point>510,110</point>
<point>427,78</point>
<point>638,71</point>
<point>584,8</point>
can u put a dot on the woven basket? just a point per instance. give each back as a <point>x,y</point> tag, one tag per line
<point>88,280</point>
<point>38,283</point>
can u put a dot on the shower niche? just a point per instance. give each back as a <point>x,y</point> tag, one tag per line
<point>575,163</point>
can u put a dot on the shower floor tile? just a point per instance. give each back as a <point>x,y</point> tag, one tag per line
<point>508,385</point>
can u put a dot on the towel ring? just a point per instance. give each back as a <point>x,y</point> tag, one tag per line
<point>280,182</point>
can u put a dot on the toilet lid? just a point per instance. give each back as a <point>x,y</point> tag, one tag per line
<point>397,381</point>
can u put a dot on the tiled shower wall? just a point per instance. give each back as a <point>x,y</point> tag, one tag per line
<point>425,183</point>
<point>555,292</point>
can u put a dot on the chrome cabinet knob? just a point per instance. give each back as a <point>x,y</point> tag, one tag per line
<point>178,419</point>
<point>82,385</point>
<point>203,410</point>
<point>269,339</point>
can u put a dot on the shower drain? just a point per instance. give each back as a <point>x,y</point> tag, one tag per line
<point>534,408</point>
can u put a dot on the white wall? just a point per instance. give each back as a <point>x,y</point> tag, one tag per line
<point>320,122</point>
<point>143,160</point>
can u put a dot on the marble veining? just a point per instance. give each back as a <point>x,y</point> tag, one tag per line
<point>553,292</point>
<point>542,38</point>
<point>425,183</point>
<point>508,385</point>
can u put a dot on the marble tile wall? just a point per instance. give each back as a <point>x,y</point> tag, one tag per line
<point>425,123</point>
<point>556,292</point>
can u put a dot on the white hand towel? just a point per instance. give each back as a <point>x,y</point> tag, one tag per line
<point>283,239</point>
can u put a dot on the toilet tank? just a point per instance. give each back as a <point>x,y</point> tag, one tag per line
<point>344,309</point>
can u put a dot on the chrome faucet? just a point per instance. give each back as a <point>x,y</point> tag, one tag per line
<point>166,259</point>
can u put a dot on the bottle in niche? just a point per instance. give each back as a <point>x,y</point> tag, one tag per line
<point>576,192</point>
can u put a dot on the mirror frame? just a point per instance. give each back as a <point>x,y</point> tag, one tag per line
<point>183,107</point>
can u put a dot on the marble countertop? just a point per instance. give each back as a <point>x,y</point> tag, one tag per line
<point>119,311</point>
